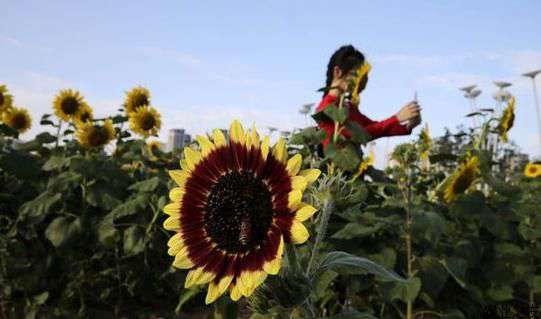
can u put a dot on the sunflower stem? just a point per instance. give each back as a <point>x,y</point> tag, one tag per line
<point>58,133</point>
<point>328,206</point>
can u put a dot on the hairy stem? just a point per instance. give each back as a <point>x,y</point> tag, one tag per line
<point>328,206</point>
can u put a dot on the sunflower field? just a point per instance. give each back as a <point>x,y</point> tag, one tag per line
<point>97,221</point>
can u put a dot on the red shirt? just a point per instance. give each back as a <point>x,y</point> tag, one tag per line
<point>388,127</point>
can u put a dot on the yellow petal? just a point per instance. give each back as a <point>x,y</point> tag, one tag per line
<point>248,140</point>
<point>205,144</point>
<point>178,176</point>
<point>236,132</point>
<point>299,183</point>
<point>279,150</point>
<point>192,157</point>
<point>175,244</point>
<point>294,165</point>
<point>294,199</point>
<point>184,165</point>
<point>176,194</point>
<point>299,233</point>
<point>182,260</point>
<point>272,267</point>
<point>250,280</point>
<point>306,211</point>
<point>172,209</point>
<point>235,293</point>
<point>216,290</point>
<point>265,147</point>
<point>311,174</point>
<point>172,223</point>
<point>218,138</point>
<point>198,277</point>
<point>255,137</point>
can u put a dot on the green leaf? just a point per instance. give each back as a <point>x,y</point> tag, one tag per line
<point>56,162</point>
<point>406,291</point>
<point>500,293</point>
<point>536,284</point>
<point>134,240</point>
<point>61,231</point>
<point>343,262</point>
<point>149,185</point>
<point>352,314</point>
<point>432,274</point>
<point>430,225</point>
<point>358,134</point>
<point>344,156</point>
<point>131,207</point>
<point>37,209</point>
<point>45,138</point>
<point>354,230</point>
<point>186,296</point>
<point>456,267</point>
<point>336,114</point>
<point>107,233</point>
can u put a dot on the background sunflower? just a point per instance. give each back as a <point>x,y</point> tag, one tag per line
<point>145,121</point>
<point>85,114</point>
<point>236,204</point>
<point>6,100</point>
<point>135,98</point>
<point>507,120</point>
<point>17,118</point>
<point>92,135</point>
<point>532,170</point>
<point>67,104</point>
<point>462,179</point>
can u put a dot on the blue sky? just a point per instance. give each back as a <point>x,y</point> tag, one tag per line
<point>208,62</point>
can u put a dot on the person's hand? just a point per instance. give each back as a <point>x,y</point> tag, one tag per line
<point>414,122</point>
<point>409,111</point>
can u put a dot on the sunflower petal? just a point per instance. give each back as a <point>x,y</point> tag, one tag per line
<point>306,211</point>
<point>250,280</point>
<point>299,233</point>
<point>216,290</point>
<point>294,165</point>
<point>218,138</point>
<point>205,144</point>
<point>235,293</point>
<point>176,194</point>
<point>198,277</point>
<point>299,183</point>
<point>182,261</point>
<point>192,157</point>
<point>310,174</point>
<point>178,176</point>
<point>236,132</point>
<point>248,140</point>
<point>265,147</point>
<point>279,150</point>
<point>294,199</point>
<point>272,267</point>
<point>255,136</point>
<point>172,209</point>
<point>172,223</point>
<point>175,244</point>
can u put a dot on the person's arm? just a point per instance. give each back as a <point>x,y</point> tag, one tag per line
<point>377,129</point>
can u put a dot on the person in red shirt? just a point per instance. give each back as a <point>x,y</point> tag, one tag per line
<point>342,62</point>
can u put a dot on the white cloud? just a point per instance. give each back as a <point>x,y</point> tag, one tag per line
<point>10,41</point>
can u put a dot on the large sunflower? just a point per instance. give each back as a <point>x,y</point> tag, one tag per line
<point>6,99</point>
<point>236,204</point>
<point>92,135</point>
<point>462,179</point>
<point>67,104</point>
<point>17,118</point>
<point>145,121</point>
<point>135,98</point>
<point>507,120</point>
<point>532,170</point>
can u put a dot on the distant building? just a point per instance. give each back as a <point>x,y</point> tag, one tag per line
<point>177,138</point>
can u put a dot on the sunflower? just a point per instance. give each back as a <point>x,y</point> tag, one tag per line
<point>92,135</point>
<point>67,104</point>
<point>366,162</point>
<point>135,98</point>
<point>462,179</point>
<point>237,203</point>
<point>424,142</point>
<point>145,121</point>
<point>154,146</point>
<point>532,170</point>
<point>17,118</point>
<point>360,74</point>
<point>507,120</point>
<point>85,114</point>
<point>6,99</point>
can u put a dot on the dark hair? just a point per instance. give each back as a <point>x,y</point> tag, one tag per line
<point>346,58</point>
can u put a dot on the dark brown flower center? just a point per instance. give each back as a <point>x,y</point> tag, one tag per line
<point>139,100</point>
<point>19,121</point>
<point>1,99</point>
<point>85,116</point>
<point>532,169</point>
<point>98,136</point>
<point>463,181</point>
<point>69,105</point>
<point>239,212</point>
<point>147,121</point>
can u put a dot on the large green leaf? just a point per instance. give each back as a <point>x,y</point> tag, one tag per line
<point>134,240</point>
<point>405,291</point>
<point>352,314</point>
<point>62,230</point>
<point>37,209</point>
<point>343,262</point>
<point>148,185</point>
<point>456,267</point>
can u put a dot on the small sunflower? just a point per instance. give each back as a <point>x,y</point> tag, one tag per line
<point>425,142</point>
<point>17,118</point>
<point>360,74</point>
<point>92,135</point>
<point>366,163</point>
<point>237,203</point>
<point>154,146</point>
<point>145,121</point>
<point>532,170</point>
<point>136,98</point>
<point>462,179</point>
<point>6,100</point>
<point>85,114</point>
<point>507,120</point>
<point>67,104</point>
